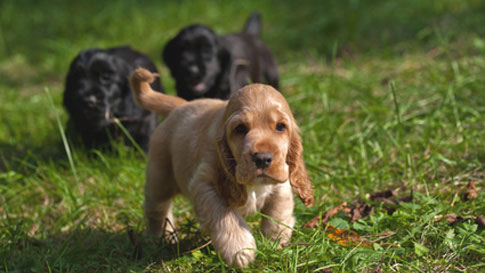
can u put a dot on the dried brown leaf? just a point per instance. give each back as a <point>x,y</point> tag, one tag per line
<point>335,210</point>
<point>471,191</point>
<point>454,219</point>
<point>33,229</point>
<point>346,237</point>
<point>360,210</point>
<point>385,200</point>
<point>391,204</point>
<point>382,194</point>
<point>313,223</point>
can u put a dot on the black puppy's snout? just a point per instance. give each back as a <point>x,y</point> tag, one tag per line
<point>194,70</point>
<point>262,160</point>
<point>92,101</point>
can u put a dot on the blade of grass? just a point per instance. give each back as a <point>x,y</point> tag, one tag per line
<point>396,104</point>
<point>61,131</point>
<point>123,129</point>
<point>451,95</point>
<point>3,43</point>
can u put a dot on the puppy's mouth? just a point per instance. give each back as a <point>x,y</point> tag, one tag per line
<point>263,176</point>
<point>199,87</point>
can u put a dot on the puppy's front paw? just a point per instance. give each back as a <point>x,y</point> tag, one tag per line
<point>236,248</point>
<point>243,257</point>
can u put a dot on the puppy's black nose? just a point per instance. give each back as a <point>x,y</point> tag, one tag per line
<point>194,70</point>
<point>262,160</point>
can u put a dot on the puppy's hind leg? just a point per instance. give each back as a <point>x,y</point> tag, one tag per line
<point>160,187</point>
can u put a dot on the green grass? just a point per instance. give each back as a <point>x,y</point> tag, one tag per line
<point>388,94</point>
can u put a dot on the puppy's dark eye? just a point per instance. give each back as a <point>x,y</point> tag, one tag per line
<point>105,78</point>
<point>241,129</point>
<point>206,53</point>
<point>280,127</point>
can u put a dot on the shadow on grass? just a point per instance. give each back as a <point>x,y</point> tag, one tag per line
<point>91,250</point>
<point>28,152</point>
<point>21,156</point>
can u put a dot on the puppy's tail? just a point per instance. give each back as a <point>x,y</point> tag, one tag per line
<point>147,98</point>
<point>253,24</point>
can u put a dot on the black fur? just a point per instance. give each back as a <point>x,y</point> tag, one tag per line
<point>98,90</point>
<point>207,65</point>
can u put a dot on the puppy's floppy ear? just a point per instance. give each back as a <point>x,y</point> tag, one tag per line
<point>169,53</point>
<point>299,178</point>
<point>234,193</point>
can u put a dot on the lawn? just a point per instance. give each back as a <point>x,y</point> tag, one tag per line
<point>389,95</point>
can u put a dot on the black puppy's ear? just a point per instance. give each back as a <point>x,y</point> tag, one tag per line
<point>169,53</point>
<point>253,24</point>
<point>122,67</point>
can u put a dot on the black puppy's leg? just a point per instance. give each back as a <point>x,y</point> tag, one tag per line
<point>272,77</point>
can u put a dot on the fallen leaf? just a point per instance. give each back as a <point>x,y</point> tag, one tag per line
<point>345,237</point>
<point>383,194</point>
<point>313,223</point>
<point>454,219</point>
<point>33,229</point>
<point>360,210</point>
<point>388,197</point>
<point>385,200</point>
<point>335,210</point>
<point>389,204</point>
<point>471,191</point>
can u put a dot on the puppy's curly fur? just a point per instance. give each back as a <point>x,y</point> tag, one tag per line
<point>230,158</point>
<point>207,65</point>
<point>98,90</point>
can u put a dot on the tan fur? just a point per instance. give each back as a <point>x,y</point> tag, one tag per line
<point>299,178</point>
<point>196,151</point>
<point>146,98</point>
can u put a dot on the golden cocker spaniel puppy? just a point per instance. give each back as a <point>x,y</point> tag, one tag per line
<point>230,158</point>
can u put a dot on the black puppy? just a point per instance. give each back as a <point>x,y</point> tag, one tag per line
<point>98,90</point>
<point>207,65</point>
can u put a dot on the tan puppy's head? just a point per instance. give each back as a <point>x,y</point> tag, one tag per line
<point>259,144</point>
